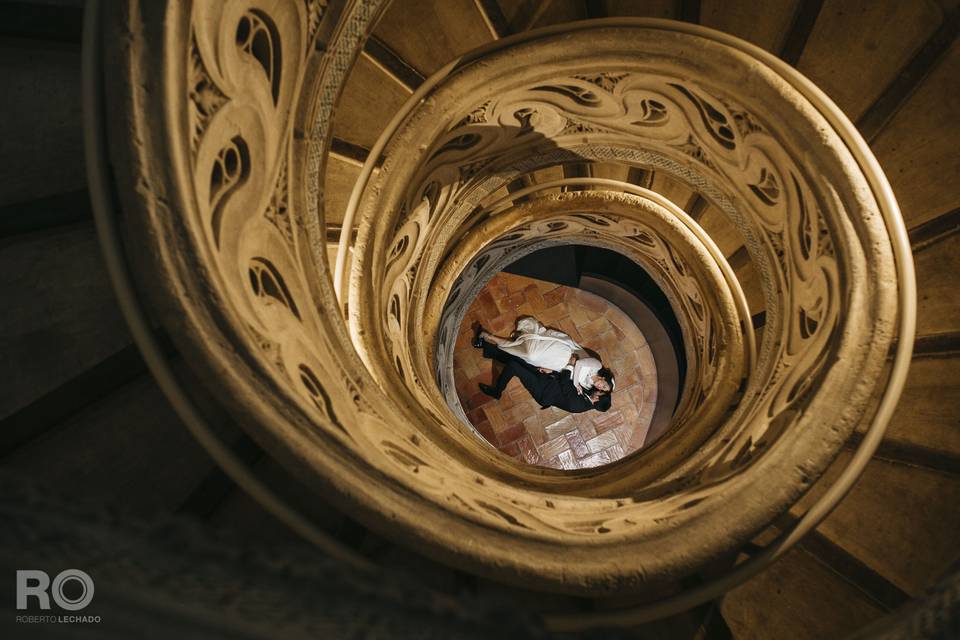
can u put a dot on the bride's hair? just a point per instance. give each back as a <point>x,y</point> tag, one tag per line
<point>601,399</point>
<point>607,375</point>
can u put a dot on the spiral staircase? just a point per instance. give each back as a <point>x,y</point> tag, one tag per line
<point>239,239</point>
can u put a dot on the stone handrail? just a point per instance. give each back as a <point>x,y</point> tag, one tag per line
<point>229,106</point>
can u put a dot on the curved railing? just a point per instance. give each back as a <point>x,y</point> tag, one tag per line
<point>647,228</point>
<point>617,186</point>
<point>222,222</point>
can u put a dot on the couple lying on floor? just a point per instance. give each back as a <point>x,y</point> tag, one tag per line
<point>553,368</point>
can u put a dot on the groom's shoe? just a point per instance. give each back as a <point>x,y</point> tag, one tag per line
<point>477,340</point>
<point>490,391</point>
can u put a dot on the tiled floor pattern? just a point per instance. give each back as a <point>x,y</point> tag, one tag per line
<point>515,424</point>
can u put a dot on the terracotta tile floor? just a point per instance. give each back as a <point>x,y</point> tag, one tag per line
<point>515,424</point>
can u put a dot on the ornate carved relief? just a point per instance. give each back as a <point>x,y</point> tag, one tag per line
<point>243,278</point>
<point>614,221</point>
<point>585,116</point>
<point>277,211</point>
<point>319,397</point>
<point>267,284</point>
<point>205,98</point>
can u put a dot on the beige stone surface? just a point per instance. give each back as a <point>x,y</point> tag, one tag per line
<point>858,47</point>
<point>671,188</point>
<point>928,414</point>
<point>647,9</point>
<point>900,520</point>
<point>918,147</point>
<point>798,598</point>
<point>723,232</point>
<point>370,98</point>
<point>66,318</point>
<point>338,184</point>
<point>749,279</point>
<point>609,170</point>
<point>355,410</point>
<point>938,304</point>
<point>429,33</point>
<point>765,28</point>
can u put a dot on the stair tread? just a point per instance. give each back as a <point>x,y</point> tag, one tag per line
<point>370,99</point>
<point>799,598</point>
<point>45,213</point>
<point>721,230</point>
<point>66,318</point>
<point>41,21</point>
<point>427,34</point>
<point>649,9</point>
<point>917,149</point>
<point>41,128</point>
<point>752,287</point>
<point>338,184</point>
<point>130,450</point>
<point>889,510</point>
<point>927,414</point>
<point>874,39</point>
<point>523,15</point>
<point>671,188</point>
<point>766,28</point>
<point>938,305</point>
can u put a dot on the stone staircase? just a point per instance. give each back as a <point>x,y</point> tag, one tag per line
<point>80,414</point>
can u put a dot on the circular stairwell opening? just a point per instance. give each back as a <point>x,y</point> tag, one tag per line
<point>612,308</point>
<point>373,424</point>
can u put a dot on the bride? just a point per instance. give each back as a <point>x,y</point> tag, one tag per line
<point>550,351</point>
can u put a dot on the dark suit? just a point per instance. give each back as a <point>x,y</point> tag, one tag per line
<point>548,389</point>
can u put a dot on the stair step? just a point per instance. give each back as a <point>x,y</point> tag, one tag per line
<point>523,15</point>
<point>89,387</point>
<point>65,319</point>
<point>671,188</point>
<point>51,22</point>
<point>41,128</point>
<point>129,450</point>
<point>899,520</point>
<point>857,48</point>
<point>767,29</point>
<point>238,511</point>
<point>798,598</point>
<point>926,416</point>
<point>427,34</point>
<point>609,171</point>
<point>386,58</point>
<point>216,487</point>
<point>937,344</point>
<point>721,230</point>
<point>938,305</point>
<point>370,99</point>
<point>45,213</point>
<point>871,122</point>
<point>668,9</point>
<point>341,175</point>
<point>749,278</point>
<point>918,147</point>
<point>804,20</point>
<point>640,177</point>
<point>934,230</point>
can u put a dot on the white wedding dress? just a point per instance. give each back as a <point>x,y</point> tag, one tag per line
<point>542,347</point>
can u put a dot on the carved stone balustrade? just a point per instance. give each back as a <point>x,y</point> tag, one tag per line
<point>220,116</point>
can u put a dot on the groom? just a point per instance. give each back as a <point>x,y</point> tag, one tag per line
<point>548,389</point>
